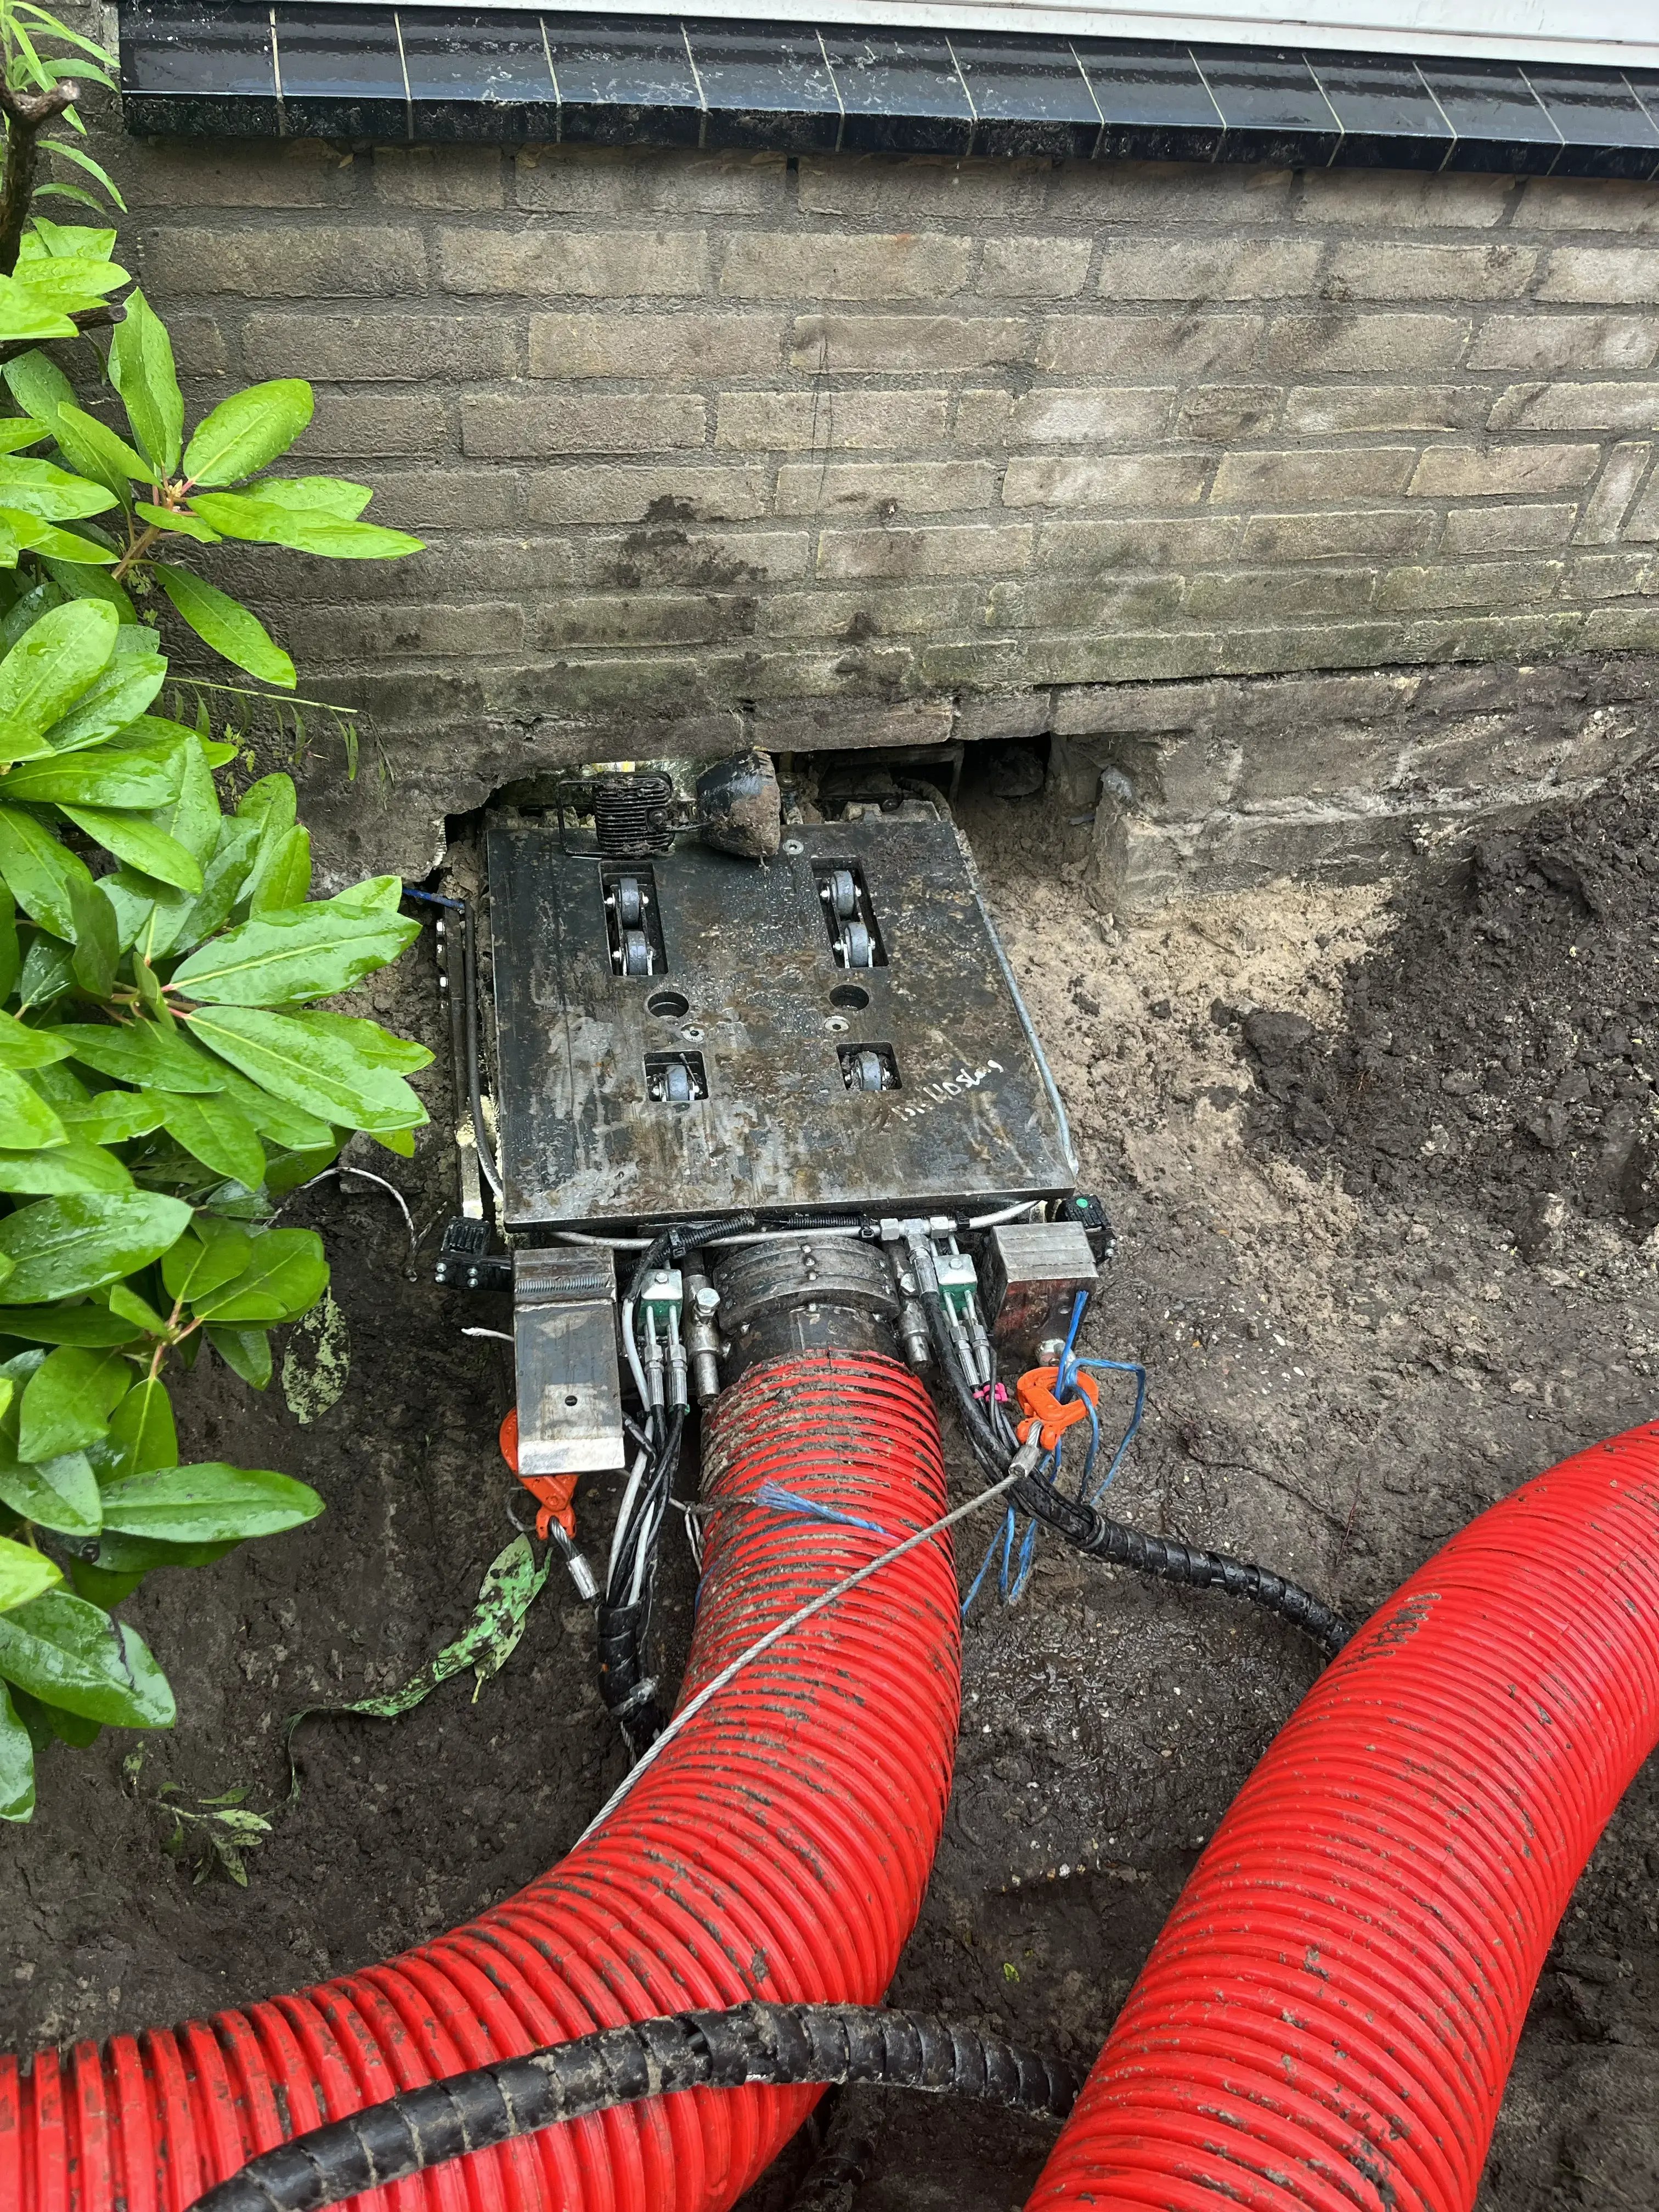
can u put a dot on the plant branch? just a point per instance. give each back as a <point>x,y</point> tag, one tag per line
<point>89,318</point>
<point>27,114</point>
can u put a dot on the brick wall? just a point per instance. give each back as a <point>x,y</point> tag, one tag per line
<point>865,451</point>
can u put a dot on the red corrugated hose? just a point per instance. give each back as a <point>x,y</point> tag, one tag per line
<point>778,1848</point>
<point>1327,2022</point>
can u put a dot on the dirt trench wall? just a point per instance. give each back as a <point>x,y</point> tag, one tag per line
<point>712,447</point>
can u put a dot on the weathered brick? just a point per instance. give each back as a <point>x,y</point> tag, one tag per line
<point>884,487</point>
<point>1403,199</point>
<point>1202,269</point>
<point>1322,410</point>
<point>1608,576</point>
<point>1641,524</point>
<point>950,550</point>
<point>1472,584</point>
<point>683,345</point>
<point>447,499</point>
<point>1385,531</point>
<point>1155,345</point>
<point>1378,271</point>
<point>929,344</point>
<point>1040,267</point>
<point>885,609</point>
<point>179,172</point>
<point>634,180</point>
<point>1605,509</point>
<point>447,179</point>
<point>1108,415</point>
<point>602,492</point>
<point>1224,414</point>
<point>876,187</point>
<point>1192,541</point>
<point>793,422</point>
<point>1343,472</point>
<point>1622,630</point>
<point>603,265</point>
<point>499,426</point>
<point>199,346</point>
<point>1159,192</point>
<point>1259,595</point>
<point>784,722</point>
<point>1004,716</point>
<point>644,618</point>
<point>1506,529</point>
<point>348,425</point>
<point>1587,204</point>
<point>1449,471</point>
<point>1338,341</point>
<point>1613,273</point>
<point>1083,603</point>
<point>347,632</point>
<point>323,261</point>
<point>1105,480</point>
<point>785,265</point>
<point>1576,407</point>
<point>1545,345</point>
<point>664,554</point>
<point>379,349</point>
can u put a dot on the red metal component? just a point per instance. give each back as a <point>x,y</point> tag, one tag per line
<point>1328,2019</point>
<point>778,1848</point>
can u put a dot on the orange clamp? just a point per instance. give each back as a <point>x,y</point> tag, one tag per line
<point>1036,1392</point>
<point>553,1492</point>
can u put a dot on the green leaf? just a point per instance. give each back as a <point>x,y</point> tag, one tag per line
<point>68,240</point>
<point>141,368</point>
<point>60,1493</point>
<point>248,431</point>
<point>374,894</point>
<point>67,1402</point>
<point>320,1073</point>
<point>71,281</point>
<point>264,521</point>
<point>182,921</point>
<point>139,843</point>
<point>213,1253</point>
<point>44,391</point>
<point>329,495</point>
<point>23,1047</point>
<point>125,1304</point>
<point>97,940</point>
<point>208,1504</point>
<point>273,802</point>
<point>282,874</point>
<point>178,521</point>
<point>113,453</point>
<point>16,1750</point>
<point>24,1573</point>
<point>220,1135</point>
<point>69,1653</point>
<point>24,316</point>
<point>103,777</point>
<point>28,533</point>
<point>113,1117</point>
<point>83,1324</point>
<point>24,1116</point>
<point>245,1352</point>
<point>58,1168</point>
<point>11,952</point>
<point>16,432</point>
<point>142,1429</point>
<point>113,704</point>
<point>284,1124</point>
<point>292,953</point>
<point>77,582</point>
<point>58,1246</point>
<point>226,625</point>
<point>144,1053</point>
<point>378,1046</point>
<point>57,659</point>
<point>42,488</point>
<point>285,1277</point>
<point>40,873</point>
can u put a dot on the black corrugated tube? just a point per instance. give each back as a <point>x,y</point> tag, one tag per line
<point>762,2043</point>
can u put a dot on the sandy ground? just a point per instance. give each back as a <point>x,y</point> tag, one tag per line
<point>1337,1383</point>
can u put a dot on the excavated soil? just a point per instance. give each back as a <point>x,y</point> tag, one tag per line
<point>1379,1159</point>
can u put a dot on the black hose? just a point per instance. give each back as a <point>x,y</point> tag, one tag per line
<point>1098,1537</point>
<point>763,2044</point>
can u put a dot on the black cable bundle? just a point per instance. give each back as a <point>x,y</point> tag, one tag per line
<point>763,2044</point>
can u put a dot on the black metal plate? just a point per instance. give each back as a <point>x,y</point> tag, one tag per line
<point>747,948</point>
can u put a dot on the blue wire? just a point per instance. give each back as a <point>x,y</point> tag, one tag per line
<point>1120,1367</point>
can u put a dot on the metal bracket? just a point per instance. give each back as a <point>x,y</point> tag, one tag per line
<point>564,1340</point>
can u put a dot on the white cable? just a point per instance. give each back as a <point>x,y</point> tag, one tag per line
<point>689,1713</point>
<point>609,1243</point>
<point>500,1334</point>
<point>1008,1213</point>
<point>623,1511</point>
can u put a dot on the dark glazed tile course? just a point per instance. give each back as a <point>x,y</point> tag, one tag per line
<point>1388,116</point>
<point>480,76</point>
<point>341,73</point>
<point>1029,96</point>
<point>1608,132</point>
<point>1500,125</point>
<point>201,70</point>
<point>1272,106</point>
<point>625,83</point>
<point>765,85</point>
<point>1153,102</point>
<point>902,94</point>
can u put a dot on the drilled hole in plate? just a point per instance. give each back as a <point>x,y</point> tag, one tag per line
<point>848,994</point>
<point>571,1398</point>
<point>669,1004</point>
